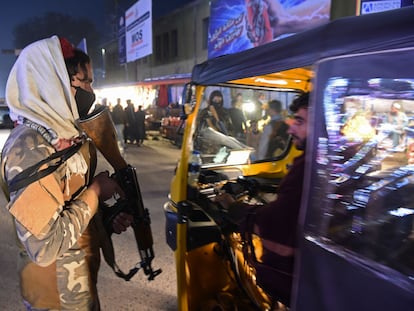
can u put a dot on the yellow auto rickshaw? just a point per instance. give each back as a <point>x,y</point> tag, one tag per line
<point>355,242</point>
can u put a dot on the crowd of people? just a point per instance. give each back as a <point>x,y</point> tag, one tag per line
<point>264,128</point>
<point>129,123</point>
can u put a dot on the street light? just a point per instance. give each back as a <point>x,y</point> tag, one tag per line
<point>103,52</point>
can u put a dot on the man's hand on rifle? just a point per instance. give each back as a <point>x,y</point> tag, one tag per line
<point>105,187</point>
<point>121,222</point>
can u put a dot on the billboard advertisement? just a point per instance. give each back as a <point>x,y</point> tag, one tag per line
<point>138,30</point>
<point>237,25</point>
<point>374,6</point>
<point>121,40</point>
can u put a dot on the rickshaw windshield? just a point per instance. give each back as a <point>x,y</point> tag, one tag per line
<point>231,125</point>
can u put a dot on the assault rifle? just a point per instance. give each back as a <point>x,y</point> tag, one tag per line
<point>100,128</point>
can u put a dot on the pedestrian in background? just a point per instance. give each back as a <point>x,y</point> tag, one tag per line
<point>119,118</point>
<point>140,121</point>
<point>397,120</point>
<point>131,125</point>
<point>238,119</point>
<point>274,136</point>
<point>215,116</point>
<point>253,138</point>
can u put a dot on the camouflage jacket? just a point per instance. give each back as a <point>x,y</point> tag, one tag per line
<point>55,227</point>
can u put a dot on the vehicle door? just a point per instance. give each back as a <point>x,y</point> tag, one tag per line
<point>356,243</point>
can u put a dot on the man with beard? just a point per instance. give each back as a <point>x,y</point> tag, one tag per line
<point>276,222</point>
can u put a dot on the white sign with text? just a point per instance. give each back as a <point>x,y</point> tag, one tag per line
<point>138,34</point>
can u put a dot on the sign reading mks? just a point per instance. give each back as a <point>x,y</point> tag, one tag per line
<point>135,37</point>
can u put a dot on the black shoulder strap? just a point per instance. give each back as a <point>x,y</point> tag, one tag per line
<point>32,173</point>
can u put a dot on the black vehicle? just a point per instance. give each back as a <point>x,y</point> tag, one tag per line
<point>6,123</point>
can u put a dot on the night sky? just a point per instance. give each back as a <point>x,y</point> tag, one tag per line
<point>17,11</point>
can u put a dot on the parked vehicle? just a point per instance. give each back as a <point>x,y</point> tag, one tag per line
<point>171,128</point>
<point>356,246</point>
<point>5,124</point>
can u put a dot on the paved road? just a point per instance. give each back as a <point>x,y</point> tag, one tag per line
<point>155,162</point>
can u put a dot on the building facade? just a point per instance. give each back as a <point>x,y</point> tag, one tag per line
<point>180,41</point>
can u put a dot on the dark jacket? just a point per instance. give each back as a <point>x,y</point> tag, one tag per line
<point>118,114</point>
<point>277,223</point>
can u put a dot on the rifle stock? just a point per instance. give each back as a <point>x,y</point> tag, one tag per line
<point>100,128</point>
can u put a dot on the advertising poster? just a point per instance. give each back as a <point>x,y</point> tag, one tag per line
<point>138,34</point>
<point>237,25</point>
<point>121,40</point>
<point>374,6</point>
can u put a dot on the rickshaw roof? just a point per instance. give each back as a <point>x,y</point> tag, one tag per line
<point>282,58</point>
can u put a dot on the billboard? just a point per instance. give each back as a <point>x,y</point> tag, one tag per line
<point>237,25</point>
<point>138,31</point>
<point>374,6</point>
<point>121,40</point>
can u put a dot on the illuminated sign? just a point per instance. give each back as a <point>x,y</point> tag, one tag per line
<point>121,40</point>
<point>237,25</point>
<point>138,30</point>
<point>375,6</point>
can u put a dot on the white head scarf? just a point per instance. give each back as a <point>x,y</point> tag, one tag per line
<point>38,89</point>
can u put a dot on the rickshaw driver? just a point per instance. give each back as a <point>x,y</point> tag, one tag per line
<point>276,222</point>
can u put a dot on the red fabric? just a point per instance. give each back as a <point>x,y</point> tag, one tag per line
<point>67,48</point>
<point>163,96</point>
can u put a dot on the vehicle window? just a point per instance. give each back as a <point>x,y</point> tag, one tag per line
<point>364,164</point>
<point>5,121</point>
<point>232,122</point>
